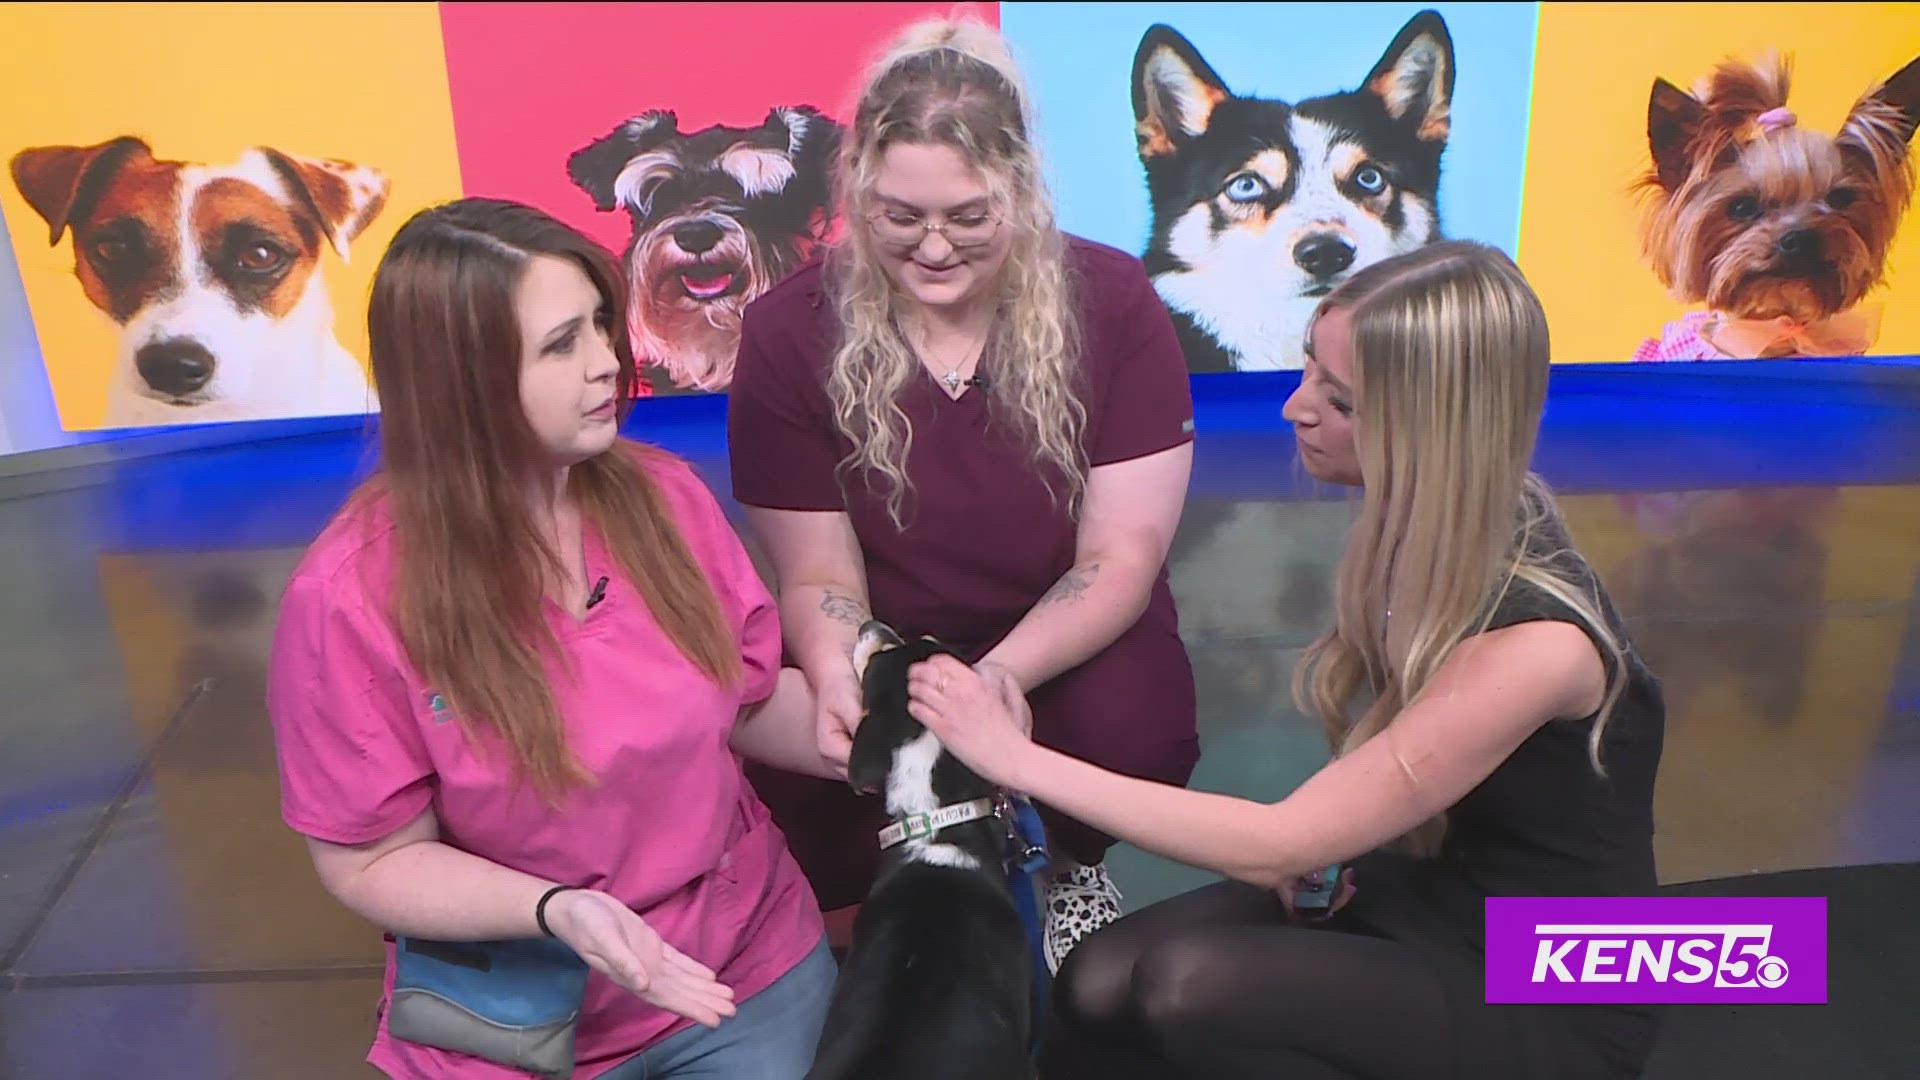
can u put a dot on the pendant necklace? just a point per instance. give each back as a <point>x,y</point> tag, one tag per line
<point>951,379</point>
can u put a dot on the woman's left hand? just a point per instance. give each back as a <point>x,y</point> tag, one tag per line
<point>971,718</point>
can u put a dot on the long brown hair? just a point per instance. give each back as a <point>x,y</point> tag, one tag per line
<point>458,463</point>
<point>1450,366</point>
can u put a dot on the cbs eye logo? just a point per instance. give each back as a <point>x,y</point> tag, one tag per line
<point>1769,971</point>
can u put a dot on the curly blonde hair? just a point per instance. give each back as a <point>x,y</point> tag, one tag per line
<point>954,84</point>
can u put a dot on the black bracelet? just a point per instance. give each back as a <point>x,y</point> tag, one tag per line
<point>540,909</point>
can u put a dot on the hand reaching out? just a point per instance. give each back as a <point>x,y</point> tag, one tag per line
<point>968,712</point>
<point>619,944</point>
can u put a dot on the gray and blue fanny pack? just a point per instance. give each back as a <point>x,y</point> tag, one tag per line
<point>515,1003</point>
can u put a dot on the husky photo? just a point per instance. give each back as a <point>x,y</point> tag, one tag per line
<point>1261,206</point>
<point>1255,156</point>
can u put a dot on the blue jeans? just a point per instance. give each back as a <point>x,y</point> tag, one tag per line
<point>771,1037</point>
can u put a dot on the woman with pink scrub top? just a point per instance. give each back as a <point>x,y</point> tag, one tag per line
<point>515,675</point>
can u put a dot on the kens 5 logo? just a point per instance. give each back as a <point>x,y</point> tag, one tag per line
<point>1656,950</point>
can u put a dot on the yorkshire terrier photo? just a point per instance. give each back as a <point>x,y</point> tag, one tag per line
<point>719,216</point>
<point>1778,231</point>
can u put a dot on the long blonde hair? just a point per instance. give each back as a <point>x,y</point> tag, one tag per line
<point>1450,366</point>
<point>954,84</point>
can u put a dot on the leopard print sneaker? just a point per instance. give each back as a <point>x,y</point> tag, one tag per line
<point>1079,902</point>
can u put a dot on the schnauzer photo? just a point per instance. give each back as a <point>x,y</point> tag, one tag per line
<point>1776,231</point>
<point>718,216</point>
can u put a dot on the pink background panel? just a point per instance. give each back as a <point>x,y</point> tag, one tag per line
<point>532,83</point>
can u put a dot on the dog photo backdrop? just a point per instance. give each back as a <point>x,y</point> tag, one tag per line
<point>702,160</point>
<point>196,240</point>
<point>198,195</point>
<point>1257,154</point>
<point>1593,92</point>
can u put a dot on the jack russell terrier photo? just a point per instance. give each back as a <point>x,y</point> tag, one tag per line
<point>212,273</point>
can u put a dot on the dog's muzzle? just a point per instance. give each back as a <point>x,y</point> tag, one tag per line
<point>1324,255</point>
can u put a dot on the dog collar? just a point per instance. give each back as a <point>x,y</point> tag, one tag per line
<point>923,826</point>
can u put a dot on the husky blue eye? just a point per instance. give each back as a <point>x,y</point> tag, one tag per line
<point>1370,179</point>
<point>1247,187</point>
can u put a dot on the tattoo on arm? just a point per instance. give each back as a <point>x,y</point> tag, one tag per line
<point>1072,585</point>
<point>844,609</point>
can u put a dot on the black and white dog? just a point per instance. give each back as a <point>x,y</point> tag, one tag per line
<point>1261,207</point>
<point>937,982</point>
<point>719,216</point>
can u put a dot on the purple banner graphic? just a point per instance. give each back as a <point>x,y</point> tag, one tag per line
<point>1656,950</point>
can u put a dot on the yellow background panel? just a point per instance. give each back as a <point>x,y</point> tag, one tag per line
<point>1594,67</point>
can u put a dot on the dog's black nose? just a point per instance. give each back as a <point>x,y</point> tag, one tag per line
<point>1323,255</point>
<point>178,366</point>
<point>697,237</point>
<point>1800,245</point>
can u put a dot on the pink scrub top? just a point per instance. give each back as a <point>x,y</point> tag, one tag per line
<point>671,828</point>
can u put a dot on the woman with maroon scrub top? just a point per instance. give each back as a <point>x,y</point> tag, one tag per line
<point>965,423</point>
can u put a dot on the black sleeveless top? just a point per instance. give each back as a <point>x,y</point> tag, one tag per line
<point>1543,823</point>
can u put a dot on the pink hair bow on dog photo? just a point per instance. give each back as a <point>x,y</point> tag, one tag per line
<point>1774,119</point>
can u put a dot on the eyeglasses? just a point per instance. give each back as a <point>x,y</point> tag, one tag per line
<point>906,229</point>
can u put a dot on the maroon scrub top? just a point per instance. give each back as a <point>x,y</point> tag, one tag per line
<point>983,538</point>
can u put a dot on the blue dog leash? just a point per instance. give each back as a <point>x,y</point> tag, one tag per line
<point>1027,858</point>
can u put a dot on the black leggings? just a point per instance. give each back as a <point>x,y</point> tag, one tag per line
<point>1217,983</point>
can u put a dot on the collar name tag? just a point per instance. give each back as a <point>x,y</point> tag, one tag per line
<point>924,826</point>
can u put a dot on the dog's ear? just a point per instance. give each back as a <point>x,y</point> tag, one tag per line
<point>595,168</point>
<point>875,637</point>
<point>62,183</point>
<point>1883,121</point>
<point>811,135</point>
<point>1674,118</point>
<point>870,759</point>
<point>1174,91</point>
<point>813,142</point>
<point>1902,91</point>
<point>1414,78</point>
<point>346,197</point>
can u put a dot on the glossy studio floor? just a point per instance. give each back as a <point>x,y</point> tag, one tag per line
<point>1759,525</point>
